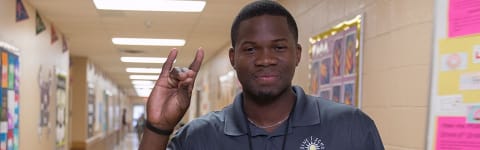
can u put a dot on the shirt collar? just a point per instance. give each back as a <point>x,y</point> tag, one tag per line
<point>306,113</point>
<point>234,118</point>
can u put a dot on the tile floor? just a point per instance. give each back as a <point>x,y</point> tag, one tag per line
<point>130,142</point>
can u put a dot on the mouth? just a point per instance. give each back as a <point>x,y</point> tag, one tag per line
<point>267,78</point>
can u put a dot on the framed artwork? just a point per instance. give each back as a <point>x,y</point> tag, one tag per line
<point>335,62</point>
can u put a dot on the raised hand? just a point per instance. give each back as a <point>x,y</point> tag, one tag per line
<point>171,95</point>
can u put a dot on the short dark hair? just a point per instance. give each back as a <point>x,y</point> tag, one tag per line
<point>262,7</point>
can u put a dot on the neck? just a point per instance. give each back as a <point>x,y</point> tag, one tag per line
<point>268,114</point>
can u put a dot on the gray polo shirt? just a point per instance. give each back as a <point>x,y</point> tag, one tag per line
<point>317,124</point>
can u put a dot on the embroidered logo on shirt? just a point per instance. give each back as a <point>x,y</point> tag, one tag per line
<point>312,143</point>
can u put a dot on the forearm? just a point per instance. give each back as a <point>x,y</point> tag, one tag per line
<point>153,141</point>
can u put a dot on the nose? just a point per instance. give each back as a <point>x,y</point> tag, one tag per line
<point>265,57</point>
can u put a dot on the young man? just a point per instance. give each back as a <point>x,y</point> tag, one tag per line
<point>270,113</point>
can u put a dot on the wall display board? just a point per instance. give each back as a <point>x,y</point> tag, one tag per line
<point>9,101</point>
<point>91,110</point>
<point>335,67</point>
<point>61,108</point>
<point>454,118</point>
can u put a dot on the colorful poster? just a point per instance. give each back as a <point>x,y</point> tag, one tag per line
<point>21,13</point>
<point>39,25</point>
<point>9,97</point>
<point>455,99</point>
<point>463,17</point>
<point>456,133</point>
<point>335,61</point>
<point>61,118</point>
<point>464,78</point>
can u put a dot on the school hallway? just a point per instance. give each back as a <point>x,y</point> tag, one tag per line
<point>77,76</point>
<point>129,142</point>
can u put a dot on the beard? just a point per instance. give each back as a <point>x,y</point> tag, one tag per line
<point>264,96</point>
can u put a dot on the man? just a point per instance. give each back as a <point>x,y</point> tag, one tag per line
<point>270,113</point>
<point>139,127</point>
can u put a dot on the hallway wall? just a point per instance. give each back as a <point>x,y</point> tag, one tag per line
<point>97,107</point>
<point>396,60</point>
<point>36,51</point>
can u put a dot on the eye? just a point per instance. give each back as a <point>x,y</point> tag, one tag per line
<point>250,50</point>
<point>280,48</point>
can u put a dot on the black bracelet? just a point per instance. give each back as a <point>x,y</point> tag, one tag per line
<point>157,130</point>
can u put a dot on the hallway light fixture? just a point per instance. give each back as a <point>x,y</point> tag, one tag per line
<point>144,77</point>
<point>148,41</point>
<point>150,5</point>
<point>144,70</point>
<point>143,86</point>
<point>143,92</point>
<point>143,82</point>
<point>159,60</point>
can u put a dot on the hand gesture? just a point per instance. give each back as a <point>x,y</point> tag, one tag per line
<point>171,95</point>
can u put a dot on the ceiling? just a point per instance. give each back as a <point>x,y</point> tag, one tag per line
<point>89,32</point>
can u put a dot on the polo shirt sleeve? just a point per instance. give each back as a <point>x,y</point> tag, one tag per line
<point>366,136</point>
<point>194,135</point>
<point>176,141</point>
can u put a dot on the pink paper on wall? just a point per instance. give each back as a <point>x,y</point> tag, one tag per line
<point>463,17</point>
<point>455,133</point>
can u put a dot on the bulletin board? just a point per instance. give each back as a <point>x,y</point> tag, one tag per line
<point>91,117</point>
<point>9,99</point>
<point>454,118</point>
<point>335,63</point>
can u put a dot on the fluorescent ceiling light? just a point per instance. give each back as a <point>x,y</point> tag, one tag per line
<point>143,59</point>
<point>143,92</point>
<point>143,82</point>
<point>143,86</point>
<point>144,77</point>
<point>148,41</point>
<point>144,70</point>
<point>151,5</point>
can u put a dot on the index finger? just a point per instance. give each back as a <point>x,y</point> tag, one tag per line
<point>197,62</point>
<point>167,66</point>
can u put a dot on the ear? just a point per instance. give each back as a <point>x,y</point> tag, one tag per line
<point>299,53</point>
<point>231,55</point>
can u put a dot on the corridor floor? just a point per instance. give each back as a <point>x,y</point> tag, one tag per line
<point>130,142</point>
